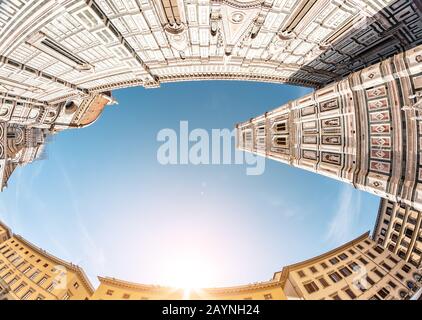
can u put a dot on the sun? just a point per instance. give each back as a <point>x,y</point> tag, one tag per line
<point>190,271</point>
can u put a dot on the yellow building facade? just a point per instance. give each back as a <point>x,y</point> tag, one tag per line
<point>114,289</point>
<point>5,232</point>
<point>359,269</point>
<point>399,229</point>
<point>30,273</point>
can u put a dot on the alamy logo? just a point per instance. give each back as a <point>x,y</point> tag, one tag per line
<point>200,147</point>
<point>360,278</point>
<point>60,277</point>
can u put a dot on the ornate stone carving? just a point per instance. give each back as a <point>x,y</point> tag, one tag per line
<point>357,130</point>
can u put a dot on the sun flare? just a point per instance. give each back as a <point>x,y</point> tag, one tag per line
<point>189,271</point>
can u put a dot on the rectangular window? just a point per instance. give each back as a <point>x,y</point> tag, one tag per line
<point>354,266</point>
<point>87,19</point>
<point>335,297</point>
<point>311,287</point>
<point>386,266</point>
<point>42,280</point>
<point>398,275</point>
<point>334,261</point>
<point>393,260</point>
<point>343,256</point>
<point>268,296</point>
<point>401,254</point>
<point>27,295</point>
<point>313,269</point>
<point>400,215</point>
<point>369,253</point>
<point>394,237</point>
<point>406,268</point>
<point>350,293</point>
<point>10,256</point>
<point>260,130</point>
<point>109,292</point>
<point>301,273</point>
<point>378,273</point>
<point>345,271</point>
<point>335,277</point>
<point>414,263</point>
<point>383,293</point>
<point>411,220</point>
<point>378,249</point>
<point>409,232</point>
<point>34,275</point>
<point>19,287</point>
<point>50,287</point>
<point>7,275</point>
<point>247,136</point>
<point>12,282</point>
<point>323,282</point>
<point>370,281</point>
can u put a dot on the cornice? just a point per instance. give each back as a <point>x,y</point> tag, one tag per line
<point>78,270</point>
<point>223,290</point>
<point>286,270</point>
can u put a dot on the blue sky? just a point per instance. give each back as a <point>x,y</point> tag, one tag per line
<point>102,200</point>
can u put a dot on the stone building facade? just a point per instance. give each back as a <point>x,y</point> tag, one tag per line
<point>30,273</point>
<point>114,289</point>
<point>363,130</point>
<point>398,229</point>
<point>360,269</point>
<point>58,56</point>
<point>61,59</point>
<point>53,50</point>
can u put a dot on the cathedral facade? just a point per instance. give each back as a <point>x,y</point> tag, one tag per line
<point>363,130</point>
<point>60,59</point>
